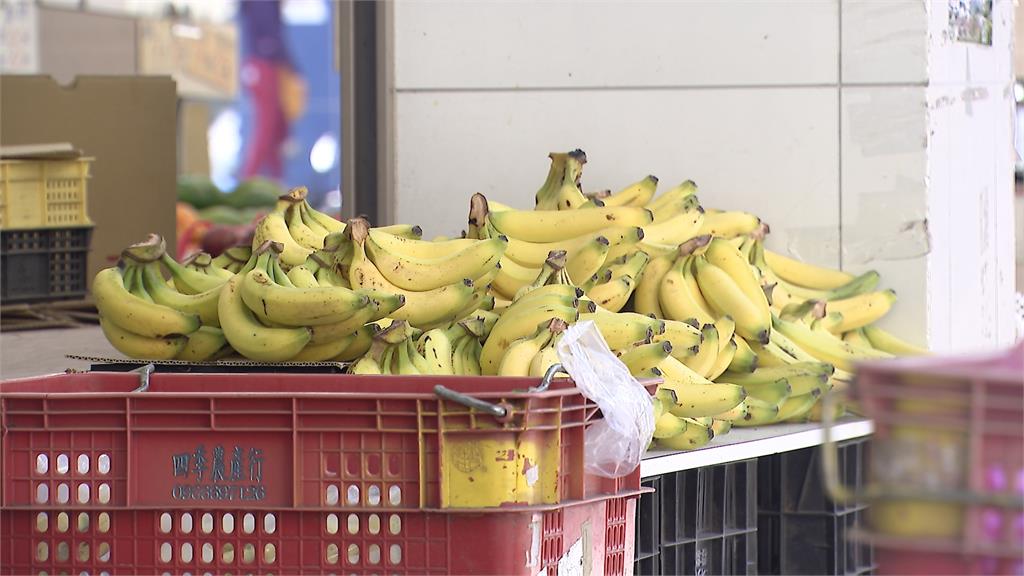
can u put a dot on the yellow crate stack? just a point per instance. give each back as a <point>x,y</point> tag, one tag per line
<point>44,193</point>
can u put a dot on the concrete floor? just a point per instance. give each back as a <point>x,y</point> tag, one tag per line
<point>34,352</point>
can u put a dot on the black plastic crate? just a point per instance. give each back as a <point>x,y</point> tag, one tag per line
<point>43,264</point>
<point>800,529</point>
<point>701,521</point>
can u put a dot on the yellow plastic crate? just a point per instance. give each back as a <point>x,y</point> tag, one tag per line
<point>43,193</point>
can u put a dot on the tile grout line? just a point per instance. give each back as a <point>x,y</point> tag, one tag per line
<point>839,131</point>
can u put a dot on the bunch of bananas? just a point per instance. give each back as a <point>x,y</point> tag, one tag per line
<point>739,335</point>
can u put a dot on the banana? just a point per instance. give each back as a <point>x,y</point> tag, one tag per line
<point>408,231</point>
<point>323,352</point>
<point>249,337</point>
<point>642,358</point>
<point>586,261</point>
<point>380,306</point>
<point>745,359</point>
<point>233,258</point>
<point>312,223</point>
<point>624,329</point>
<point>636,194</point>
<point>823,346</point>
<point>145,318</point>
<point>726,297</point>
<point>759,413</point>
<point>861,310</point>
<point>273,227</point>
<point>330,277</point>
<point>512,277</point>
<point>633,266</point>
<point>303,234</point>
<point>189,281</point>
<point>678,300</point>
<point>857,338</point>
<point>674,370</point>
<point>804,274</point>
<point>796,408</point>
<point>327,222</point>
<point>203,304</point>
<point>360,344</point>
<point>133,283</point>
<point>886,342</point>
<point>560,190</point>
<point>683,336</point>
<point>728,259</point>
<point>470,357</point>
<point>519,356</point>
<point>202,262</point>
<point>803,377</point>
<point>674,230</point>
<point>723,360</point>
<point>726,327</point>
<point>737,412</point>
<point>707,355</point>
<point>516,322</point>
<point>695,436</point>
<point>551,226</point>
<point>770,391</point>
<point>145,347</point>
<point>691,401</point>
<point>729,224</point>
<point>721,427</point>
<point>418,274</point>
<point>612,295</point>
<point>661,205</point>
<point>645,296</point>
<point>207,343</point>
<point>420,249</point>
<point>299,306</point>
<point>668,425</point>
<point>439,351</point>
<point>546,358</point>
<point>301,277</point>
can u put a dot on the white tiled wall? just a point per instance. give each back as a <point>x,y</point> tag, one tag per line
<point>821,116</point>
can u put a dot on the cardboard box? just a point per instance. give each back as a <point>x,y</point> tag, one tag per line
<point>128,123</point>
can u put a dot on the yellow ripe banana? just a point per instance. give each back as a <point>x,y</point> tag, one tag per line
<point>861,310</point>
<point>624,329</point>
<point>678,300</point>
<point>759,413</point>
<point>704,360</point>
<point>695,436</point>
<point>189,281</point>
<point>438,351</point>
<point>614,294</point>
<point>470,357</point>
<point>586,261</point>
<point>675,230</point>
<point>517,359</point>
<point>299,306</point>
<point>685,338</point>
<point>252,339</point>
<point>804,274</point>
<point>380,306</point>
<point>645,296</point>
<point>803,377</point>
<point>360,344</point>
<point>512,277</point>
<point>721,427</point>
<point>668,425</point>
<point>700,400</point>
<point>729,224</point>
<point>745,359</point>
<point>312,223</point>
<point>299,231</point>
<point>324,352</point>
<point>728,258</point>
<point>738,412</point>
<point>546,358</point>
<point>121,307</point>
<point>516,322</point>
<point>328,277</point>
<point>633,266</point>
<point>823,346</point>
<point>550,226</point>
<point>273,227</point>
<point>560,190</point>
<point>420,274</point>
<point>726,327</point>
<point>663,204</point>
<point>674,370</point>
<point>886,342</point>
<point>642,358</point>
<point>796,408</point>
<point>409,231</point>
<point>421,249</point>
<point>636,194</point>
<point>206,344</point>
<point>301,277</point>
<point>408,354</point>
<point>770,391</point>
<point>203,304</point>
<point>726,297</point>
<point>691,282</point>
<point>144,347</point>
<point>857,338</point>
<point>723,360</point>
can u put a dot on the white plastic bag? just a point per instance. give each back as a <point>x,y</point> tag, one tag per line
<point>614,445</point>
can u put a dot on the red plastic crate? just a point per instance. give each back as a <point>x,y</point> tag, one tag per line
<point>952,429</point>
<point>300,449</point>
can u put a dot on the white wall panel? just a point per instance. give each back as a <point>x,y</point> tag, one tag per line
<point>884,41</point>
<point>592,43</point>
<point>772,152</point>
